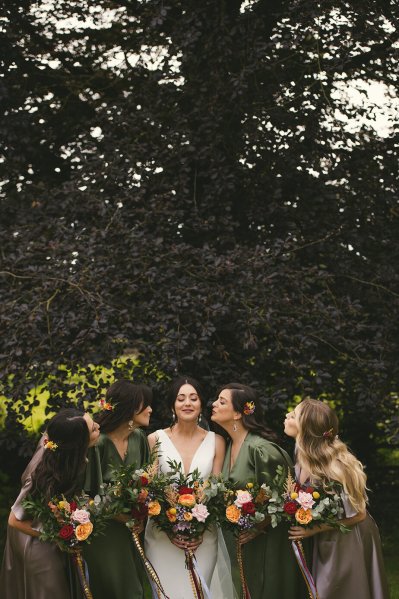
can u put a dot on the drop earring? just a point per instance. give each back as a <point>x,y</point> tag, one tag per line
<point>235,428</point>
<point>200,418</point>
<point>130,425</point>
<point>173,417</point>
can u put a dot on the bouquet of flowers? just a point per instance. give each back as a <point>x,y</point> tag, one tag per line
<point>70,524</point>
<point>189,505</point>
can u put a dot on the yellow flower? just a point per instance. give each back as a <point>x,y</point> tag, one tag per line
<point>83,531</point>
<point>154,508</point>
<point>303,516</point>
<point>171,514</point>
<point>250,485</point>
<point>64,505</point>
<point>316,495</point>
<point>188,516</point>
<point>233,514</point>
<point>294,495</point>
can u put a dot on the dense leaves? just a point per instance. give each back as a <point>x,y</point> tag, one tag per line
<point>193,183</point>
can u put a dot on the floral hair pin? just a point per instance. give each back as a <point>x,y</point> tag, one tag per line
<point>328,434</point>
<point>105,405</point>
<point>50,444</point>
<point>249,408</point>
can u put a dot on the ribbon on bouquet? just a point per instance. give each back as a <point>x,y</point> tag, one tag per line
<point>198,584</point>
<point>77,559</point>
<point>244,587</point>
<point>303,566</point>
<point>152,575</point>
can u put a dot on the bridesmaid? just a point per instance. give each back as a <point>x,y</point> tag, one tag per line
<point>115,568</point>
<point>32,568</point>
<point>253,456</point>
<point>345,565</point>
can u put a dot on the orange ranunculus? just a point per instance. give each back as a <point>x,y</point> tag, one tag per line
<point>188,516</point>
<point>188,500</point>
<point>154,508</point>
<point>142,496</point>
<point>171,514</point>
<point>233,513</point>
<point>83,531</point>
<point>303,516</point>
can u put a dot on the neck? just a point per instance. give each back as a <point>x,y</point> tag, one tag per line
<point>185,429</point>
<point>121,433</point>
<point>238,436</point>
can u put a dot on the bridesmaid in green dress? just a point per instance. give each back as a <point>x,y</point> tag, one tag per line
<point>115,568</point>
<point>270,568</point>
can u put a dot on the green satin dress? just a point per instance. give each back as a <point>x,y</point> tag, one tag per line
<point>270,568</point>
<point>115,568</point>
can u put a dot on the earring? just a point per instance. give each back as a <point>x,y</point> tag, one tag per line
<point>199,418</point>
<point>130,425</point>
<point>235,428</point>
<point>173,417</point>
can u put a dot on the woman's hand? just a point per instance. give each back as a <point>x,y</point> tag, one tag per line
<point>138,526</point>
<point>259,529</point>
<point>186,544</point>
<point>123,518</point>
<point>297,533</point>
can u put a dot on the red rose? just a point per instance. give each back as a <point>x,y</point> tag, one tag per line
<point>309,490</point>
<point>248,508</point>
<point>66,532</point>
<point>186,491</point>
<point>290,507</point>
<point>144,481</point>
<point>140,512</point>
<point>73,505</point>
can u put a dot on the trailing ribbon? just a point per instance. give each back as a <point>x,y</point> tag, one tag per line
<point>244,587</point>
<point>301,559</point>
<point>151,573</point>
<point>76,556</point>
<point>195,578</point>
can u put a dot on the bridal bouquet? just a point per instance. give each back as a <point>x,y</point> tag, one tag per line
<point>188,503</point>
<point>69,524</point>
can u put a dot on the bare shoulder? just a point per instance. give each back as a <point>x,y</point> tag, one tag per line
<point>220,442</point>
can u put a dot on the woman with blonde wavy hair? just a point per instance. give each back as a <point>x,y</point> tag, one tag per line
<point>345,565</point>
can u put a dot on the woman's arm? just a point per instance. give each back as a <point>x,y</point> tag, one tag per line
<point>24,526</point>
<point>299,532</point>
<point>220,451</point>
<point>152,440</point>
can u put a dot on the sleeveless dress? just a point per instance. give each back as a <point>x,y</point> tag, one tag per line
<point>167,559</point>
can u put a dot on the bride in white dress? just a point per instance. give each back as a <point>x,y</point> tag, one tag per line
<point>193,447</point>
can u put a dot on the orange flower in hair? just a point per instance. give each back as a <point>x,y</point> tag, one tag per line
<point>105,405</point>
<point>249,408</point>
<point>49,444</point>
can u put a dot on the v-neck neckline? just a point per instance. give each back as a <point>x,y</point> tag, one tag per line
<point>231,466</point>
<point>122,459</point>
<point>179,454</point>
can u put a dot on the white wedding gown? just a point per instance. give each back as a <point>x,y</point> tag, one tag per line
<point>211,556</point>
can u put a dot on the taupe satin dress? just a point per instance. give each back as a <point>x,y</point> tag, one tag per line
<point>33,569</point>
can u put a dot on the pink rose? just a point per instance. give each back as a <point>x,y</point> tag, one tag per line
<point>243,497</point>
<point>81,516</point>
<point>305,500</point>
<point>200,512</point>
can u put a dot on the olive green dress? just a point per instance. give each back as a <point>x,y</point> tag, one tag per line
<point>115,568</point>
<point>270,568</point>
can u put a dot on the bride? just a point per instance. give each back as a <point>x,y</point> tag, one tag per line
<point>193,447</point>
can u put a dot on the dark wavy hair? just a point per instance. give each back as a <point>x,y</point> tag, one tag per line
<point>126,399</point>
<point>60,471</point>
<point>173,391</point>
<point>254,423</point>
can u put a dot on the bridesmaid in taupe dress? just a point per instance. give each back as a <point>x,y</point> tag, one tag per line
<point>345,565</point>
<point>33,569</point>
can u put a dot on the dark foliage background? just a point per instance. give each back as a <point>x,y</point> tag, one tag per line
<point>177,183</point>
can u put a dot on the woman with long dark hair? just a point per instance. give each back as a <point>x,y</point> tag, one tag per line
<point>253,456</point>
<point>115,568</point>
<point>31,568</point>
<point>187,443</point>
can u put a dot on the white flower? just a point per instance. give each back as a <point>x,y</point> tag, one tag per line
<point>200,512</point>
<point>81,516</point>
<point>242,497</point>
<point>305,500</point>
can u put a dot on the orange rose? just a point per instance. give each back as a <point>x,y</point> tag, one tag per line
<point>154,508</point>
<point>188,516</point>
<point>233,514</point>
<point>171,514</point>
<point>187,500</point>
<point>142,496</point>
<point>83,531</point>
<point>303,516</point>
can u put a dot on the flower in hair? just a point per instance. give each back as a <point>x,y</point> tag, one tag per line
<point>249,408</point>
<point>49,444</point>
<point>328,434</point>
<point>105,405</point>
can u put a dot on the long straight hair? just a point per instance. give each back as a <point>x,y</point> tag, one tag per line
<point>324,455</point>
<point>60,470</point>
